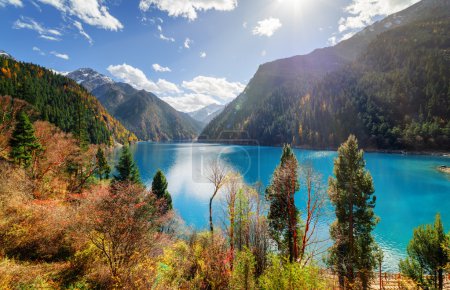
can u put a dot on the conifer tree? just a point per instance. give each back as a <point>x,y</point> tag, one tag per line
<point>159,188</point>
<point>427,255</point>
<point>352,193</point>
<point>103,169</point>
<point>126,168</point>
<point>283,215</point>
<point>23,142</point>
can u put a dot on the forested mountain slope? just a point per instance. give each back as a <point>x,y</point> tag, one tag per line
<point>141,112</point>
<point>61,101</point>
<point>390,88</point>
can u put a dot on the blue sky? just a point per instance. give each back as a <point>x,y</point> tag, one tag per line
<point>191,53</point>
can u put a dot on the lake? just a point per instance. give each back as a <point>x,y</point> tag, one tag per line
<point>409,189</point>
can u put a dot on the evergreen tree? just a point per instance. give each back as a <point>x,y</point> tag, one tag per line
<point>427,255</point>
<point>351,191</point>
<point>23,142</point>
<point>283,215</point>
<point>127,169</point>
<point>103,169</point>
<point>159,188</point>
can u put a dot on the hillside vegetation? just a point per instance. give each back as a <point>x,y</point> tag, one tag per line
<point>61,101</point>
<point>143,113</point>
<point>66,223</point>
<point>389,87</point>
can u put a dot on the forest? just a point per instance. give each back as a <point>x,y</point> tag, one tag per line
<point>69,219</point>
<point>60,101</point>
<point>393,96</point>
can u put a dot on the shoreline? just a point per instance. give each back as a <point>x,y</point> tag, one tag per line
<point>255,143</point>
<point>366,150</point>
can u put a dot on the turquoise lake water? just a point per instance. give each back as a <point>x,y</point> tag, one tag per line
<point>409,189</point>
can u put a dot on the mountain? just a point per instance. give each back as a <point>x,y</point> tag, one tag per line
<point>89,78</point>
<point>141,112</point>
<point>206,114</point>
<point>5,54</point>
<point>388,84</point>
<point>61,101</point>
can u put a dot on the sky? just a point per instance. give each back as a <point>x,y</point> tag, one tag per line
<point>190,53</point>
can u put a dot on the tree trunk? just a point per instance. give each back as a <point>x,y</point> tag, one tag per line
<point>210,211</point>
<point>232,236</point>
<point>381,281</point>
<point>440,279</point>
<point>350,272</point>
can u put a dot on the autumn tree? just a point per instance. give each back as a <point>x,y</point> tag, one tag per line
<point>159,189</point>
<point>50,170</point>
<point>122,222</point>
<point>283,215</point>
<point>103,169</point>
<point>243,275</point>
<point>23,142</point>
<point>126,168</point>
<point>216,175</point>
<point>316,200</point>
<point>352,194</point>
<point>427,255</point>
<point>246,221</point>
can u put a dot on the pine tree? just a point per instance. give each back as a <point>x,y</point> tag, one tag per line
<point>351,193</point>
<point>127,169</point>
<point>283,215</point>
<point>23,142</point>
<point>103,170</point>
<point>159,188</point>
<point>427,255</point>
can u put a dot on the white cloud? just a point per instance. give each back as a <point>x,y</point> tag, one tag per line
<point>190,102</point>
<point>244,24</point>
<point>203,91</point>
<point>187,43</point>
<point>165,87</point>
<point>218,88</point>
<point>332,40</point>
<point>60,55</point>
<point>49,38</point>
<point>159,68</point>
<point>36,5</point>
<point>263,53</point>
<point>203,54</point>
<point>159,28</point>
<point>79,26</point>
<point>38,50</point>
<point>267,27</point>
<point>17,3</point>
<point>30,23</point>
<point>163,37</point>
<point>139,80</point>
<point>187,8</point>
<point>197,93</point>
<point>92,12</point>
<point>363,12</point>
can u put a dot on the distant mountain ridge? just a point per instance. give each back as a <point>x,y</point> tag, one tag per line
<point>316,100</point>
<point>5,54</point>
<point>207,113</point>
<point>142,112</point>
<point>89,78</point>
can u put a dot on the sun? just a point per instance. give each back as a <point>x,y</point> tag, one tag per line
<point>293,7</point>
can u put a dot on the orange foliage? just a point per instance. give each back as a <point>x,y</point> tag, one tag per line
<point>6,72</point>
